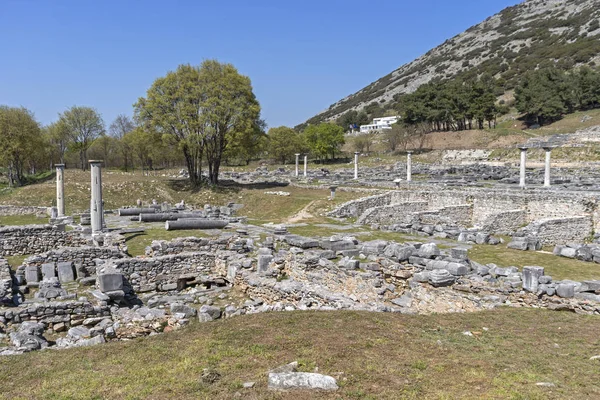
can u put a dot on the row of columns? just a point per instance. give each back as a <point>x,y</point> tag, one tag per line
<point>548,149</point>
<point>356,153</point>
<point>96,205</point>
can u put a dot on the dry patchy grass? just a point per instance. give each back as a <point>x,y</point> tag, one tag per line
<point>373,355</point>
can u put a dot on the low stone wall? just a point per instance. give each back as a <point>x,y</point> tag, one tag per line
<point>552,231</point>
<point>460,215</point>
<point>84,256</point>
<point>32,239</point>
<point>487,203</point>
<point>355,208</point>
<point>504,223</point>
<point>57,315</point>
<point>194,244</point>
<point>22,210</point>
<point>164,273</point>
<point>392,214</point>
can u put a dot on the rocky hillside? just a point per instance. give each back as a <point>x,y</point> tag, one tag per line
<point>532,34</point>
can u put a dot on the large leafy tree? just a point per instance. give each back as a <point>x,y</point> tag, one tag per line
<point>204,109</point>
<point>324,139</point>
<point>284,143</point>
<point>121,126</point>
<point>84,125</point>
<point>229,110</point>
<point>20,138</point>
<point>59,139</point>
<point>540,96</point>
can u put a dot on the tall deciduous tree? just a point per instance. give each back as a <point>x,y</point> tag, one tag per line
<point>84,125</point>
<point>229,109</point>
<point>59,139</point>
<point>284,142</point>
<point>204,109</point>
<point>20,137</point>
<point>121,126</point>
<point>324,139</point>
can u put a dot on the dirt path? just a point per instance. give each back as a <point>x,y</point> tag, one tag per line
<point>302,214</point>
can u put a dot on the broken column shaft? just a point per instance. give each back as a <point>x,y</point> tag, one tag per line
<point>195,223</point>
<point>356,153</point>
<point>96,207</point>
<point>547,167</point>
<point>523,161</point>
<point>409,166</point>
<point>305,164</point>
<point>60,189</point>
<point>297,162</point>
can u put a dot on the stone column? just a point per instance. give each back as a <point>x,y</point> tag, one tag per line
<point>305,165</point>
<point>297,161</point>
<point>523,161</point>
<point>356,153</point>
<point>96,209</point>
<point>60,189</point>
<point>548,149</point>
<point>408,166</point>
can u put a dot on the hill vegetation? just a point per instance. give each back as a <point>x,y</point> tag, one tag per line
<point>536,34</point>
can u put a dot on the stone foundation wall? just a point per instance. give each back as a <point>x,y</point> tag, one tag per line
<point>84,256</point>
<point>356,208</point>
<point>553,231</point>
<point>32,239</point>
<point>165,272</point>
<point>194,244</point>
<point>460,215</point>
<point>22,210</point>
<point>392,214</point>
<point>504,223</point>
<point>54,314</point>
<point>487,204</point>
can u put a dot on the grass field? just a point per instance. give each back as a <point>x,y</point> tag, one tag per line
<point>373,356</point>
<point>123,189</point>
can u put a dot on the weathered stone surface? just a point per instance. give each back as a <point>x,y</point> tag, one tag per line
<point>66,272</point>
<point>565,290</point>
<point>183,309</point>
<point>208,313</point>
<point>109,282</point>
<point>263,263</point>
<point>428,250</point>
<point>441,277</point>
<point>531,276</point>
<point>301,381</point>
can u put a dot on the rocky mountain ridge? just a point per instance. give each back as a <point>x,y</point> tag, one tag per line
<point>532,34</point>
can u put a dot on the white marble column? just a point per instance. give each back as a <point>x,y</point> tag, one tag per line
<point>96,209</point>
<point>409,166</point>
<point>547,169</point>
<point>523,162</point>
<point>60,189</point>
<point>356,153</point>
<point>297,162</point>
<point>305,165</point>
<point>332,189</point>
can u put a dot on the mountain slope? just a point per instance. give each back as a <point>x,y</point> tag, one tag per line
<point>535,33</point>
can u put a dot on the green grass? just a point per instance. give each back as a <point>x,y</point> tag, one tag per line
<point>557,267</point>
<point>373,356</point>
<point>123,189</point>
<point>22,220</point>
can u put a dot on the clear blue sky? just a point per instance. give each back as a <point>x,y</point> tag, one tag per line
<point>301,55</point>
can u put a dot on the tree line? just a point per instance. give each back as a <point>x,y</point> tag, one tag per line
<point>197,116</point>
<point>545,95</point>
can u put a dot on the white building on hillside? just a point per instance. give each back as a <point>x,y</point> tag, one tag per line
<point>379,124</point>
